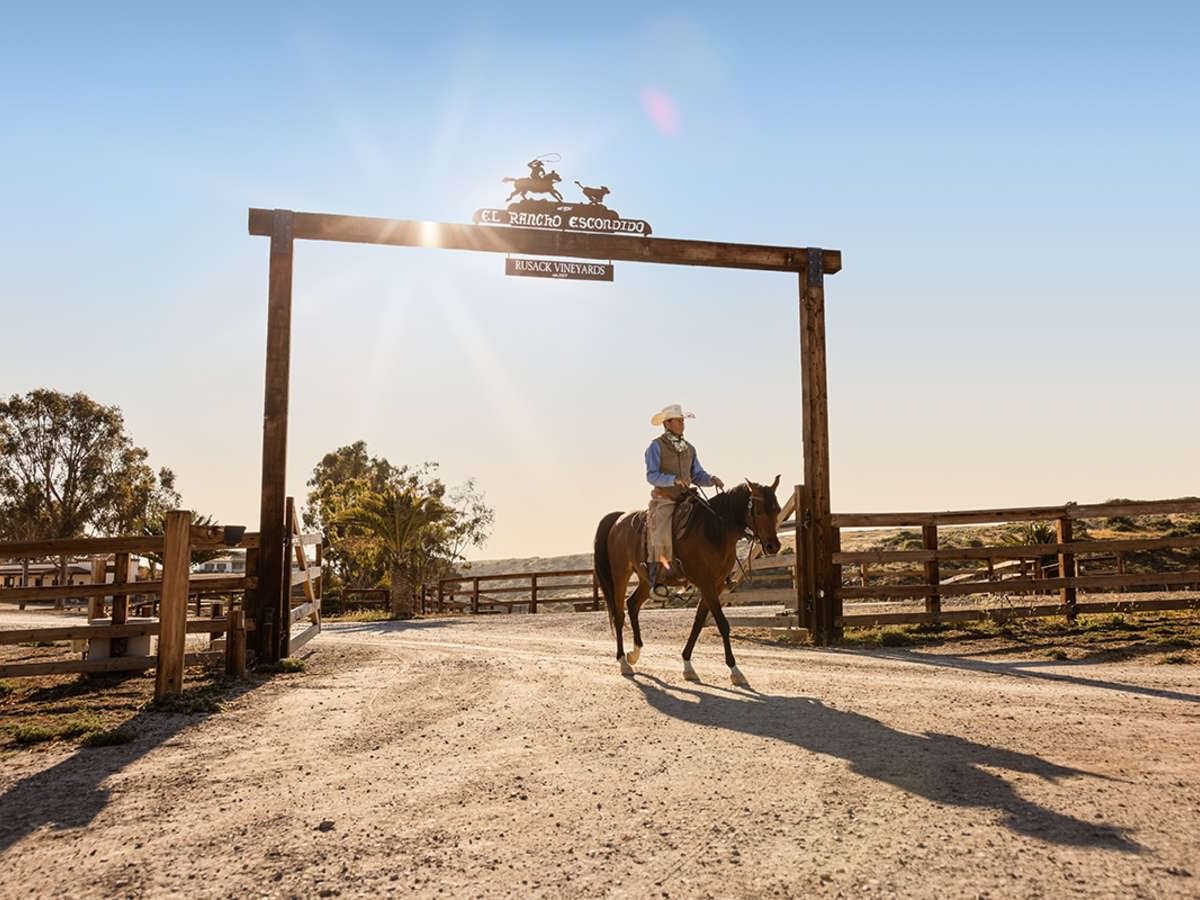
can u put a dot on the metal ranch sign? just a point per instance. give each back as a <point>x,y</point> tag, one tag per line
<point>558,268</point>
<point>589,216</point>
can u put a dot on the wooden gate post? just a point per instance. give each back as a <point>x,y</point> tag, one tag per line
<point>805,585</point>
<point>1066,570</point>
<point>172,634</point>
<point>815,410</point>
<point>273,576</point>
<point>532,594</point>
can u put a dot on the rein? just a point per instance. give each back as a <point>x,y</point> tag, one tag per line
<point>747,530</point>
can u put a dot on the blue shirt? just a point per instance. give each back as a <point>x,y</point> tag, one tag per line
<point>658,478</point>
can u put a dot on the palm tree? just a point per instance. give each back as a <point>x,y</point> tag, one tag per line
<point>399,518</point>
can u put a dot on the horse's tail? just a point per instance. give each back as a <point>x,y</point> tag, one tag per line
<point>506,180</point>
<point>603,566</point>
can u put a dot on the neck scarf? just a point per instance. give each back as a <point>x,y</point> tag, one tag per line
<point>675,441</point>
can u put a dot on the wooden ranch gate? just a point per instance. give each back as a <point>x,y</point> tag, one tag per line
<point>270,605</point>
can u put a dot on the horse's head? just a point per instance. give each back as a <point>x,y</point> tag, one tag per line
<point>553,176</point>
<point>763,515</point>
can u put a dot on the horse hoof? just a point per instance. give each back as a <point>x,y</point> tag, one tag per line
<point>689,674</point>
<point>626,668</point>
<point>736,676</point>
<point>633,655</point>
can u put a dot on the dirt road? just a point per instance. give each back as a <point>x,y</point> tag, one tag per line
<point>506,756</point>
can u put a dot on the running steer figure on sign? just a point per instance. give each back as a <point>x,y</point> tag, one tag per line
<point>700,544</point>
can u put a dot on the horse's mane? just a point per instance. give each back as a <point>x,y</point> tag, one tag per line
<point>728,513</point>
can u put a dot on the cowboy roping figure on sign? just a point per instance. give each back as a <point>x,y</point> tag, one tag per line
<point>539,181</point>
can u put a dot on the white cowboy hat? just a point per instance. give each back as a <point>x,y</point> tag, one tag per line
<point>674,411</point>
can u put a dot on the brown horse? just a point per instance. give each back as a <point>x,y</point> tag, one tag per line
<point>706,537</point>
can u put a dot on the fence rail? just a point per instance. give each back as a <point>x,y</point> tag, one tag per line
<point>533,586</point>
<point>109,601</point>
<point>1065,557</point>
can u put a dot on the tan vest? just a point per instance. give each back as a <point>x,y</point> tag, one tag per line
<point>672,462</point>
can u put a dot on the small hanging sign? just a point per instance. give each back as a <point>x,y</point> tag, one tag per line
<point>574,270</point>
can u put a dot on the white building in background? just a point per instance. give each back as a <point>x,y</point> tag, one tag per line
<point>232,564</point>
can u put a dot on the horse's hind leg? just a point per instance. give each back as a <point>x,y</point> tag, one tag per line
<point>636,599</point>
<point>689,673</point>
<point>620,585</point>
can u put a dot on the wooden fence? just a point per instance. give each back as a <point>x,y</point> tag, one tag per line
<point>109,602</point>
<point>1045,568</point>
<point>476,594</point>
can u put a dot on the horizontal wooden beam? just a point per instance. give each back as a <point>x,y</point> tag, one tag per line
<point>303,611</point>
<point>1023,585</point>
<point>93,546</point>
<point>869,620</point>
<point>299,577</point>
<point>303,638</point>
<point>1016,551</point>
<point>512,576</point>
<point>113,664</point>
<point>197,584</point>
<point>948,517</point>
<point>88,632</point>
<point>1180,505</point>
<point>542,242</point>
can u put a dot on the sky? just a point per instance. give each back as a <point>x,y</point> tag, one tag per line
<point>1014,188</point>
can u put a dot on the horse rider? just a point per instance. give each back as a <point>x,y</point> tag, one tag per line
<point>672,467</point>
<point>537,171</point>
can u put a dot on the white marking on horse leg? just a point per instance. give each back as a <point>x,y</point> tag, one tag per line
<point>689,674</point>
<point>626,668</point>
<point>633,655</point>
<point>736,676</point>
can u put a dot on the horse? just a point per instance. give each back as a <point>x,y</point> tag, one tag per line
<point>524,186</point>
<point>706,537</point>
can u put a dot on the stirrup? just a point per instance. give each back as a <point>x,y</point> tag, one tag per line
<point>661,591</point>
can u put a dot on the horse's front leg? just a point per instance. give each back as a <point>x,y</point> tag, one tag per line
<point>714,602</point>
<point>689,673</point>
<point>636,599</point>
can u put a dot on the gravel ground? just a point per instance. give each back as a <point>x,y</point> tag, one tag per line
<point>506,756</point>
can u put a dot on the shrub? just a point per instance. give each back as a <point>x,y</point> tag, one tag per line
<point>108,738</point>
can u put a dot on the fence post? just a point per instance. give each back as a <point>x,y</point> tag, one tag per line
<point>1066,570</point>
<point>235,646</point>
<point>99,576</point>
<point>172,635</point>
<point>475,595</point>
<point>120,603</point>
<point>533,593</point>
<point>249,597</point>
<point>835,586</point>
<point>441,595</point>
<point>933,600</point>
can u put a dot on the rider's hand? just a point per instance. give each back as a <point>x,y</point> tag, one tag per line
<point>682,482</point>
<point>718,483</point>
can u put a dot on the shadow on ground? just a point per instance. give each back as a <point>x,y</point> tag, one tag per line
<point>942,768</point>
<point>71,793</point>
